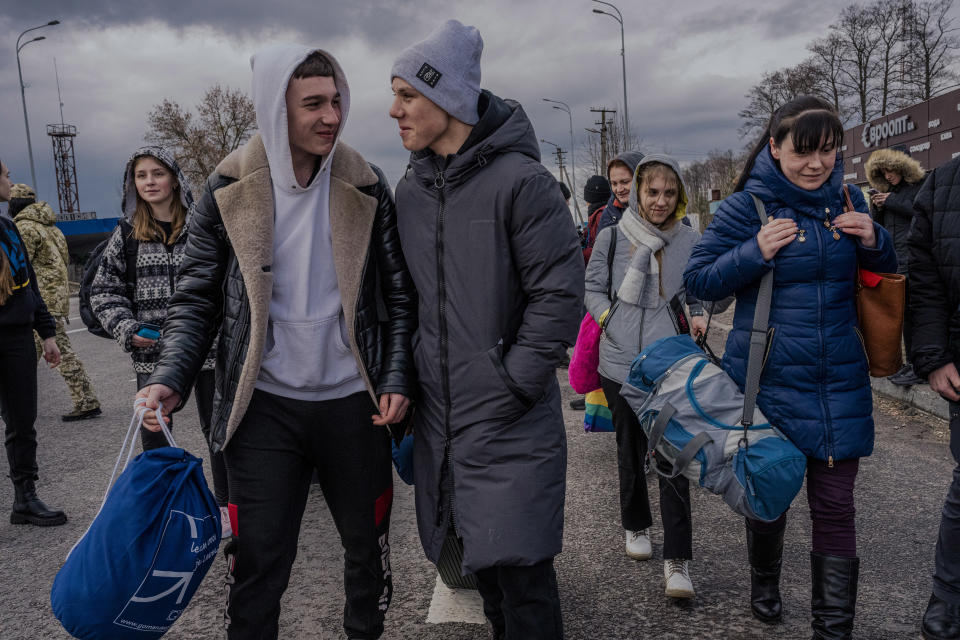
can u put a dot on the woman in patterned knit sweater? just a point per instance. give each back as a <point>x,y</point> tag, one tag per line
<point>156,208</point>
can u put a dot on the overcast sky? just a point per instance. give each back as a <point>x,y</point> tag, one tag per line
<point>688,66</point>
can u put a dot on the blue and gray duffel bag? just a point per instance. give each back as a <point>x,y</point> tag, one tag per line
<point>697,419</point>
<point>691,411</point>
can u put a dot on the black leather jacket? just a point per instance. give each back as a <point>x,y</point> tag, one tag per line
<point>385,316</point>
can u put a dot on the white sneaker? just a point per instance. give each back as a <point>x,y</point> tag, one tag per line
<point>638,545</point>
<point>676,575</point>
<point>225,530</point>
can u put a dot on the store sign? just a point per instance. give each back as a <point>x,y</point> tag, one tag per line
<point>874,134</point>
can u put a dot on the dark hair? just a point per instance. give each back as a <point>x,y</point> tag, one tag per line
<point>314,65</point>
<point>16,205</point>
<point>811,122</point>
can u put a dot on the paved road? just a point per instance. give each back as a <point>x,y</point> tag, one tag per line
<point>605,594</point>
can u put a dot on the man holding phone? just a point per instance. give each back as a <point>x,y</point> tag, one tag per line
<point>934,244</point>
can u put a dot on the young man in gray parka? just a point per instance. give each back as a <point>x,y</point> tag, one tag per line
<point>494,257</point>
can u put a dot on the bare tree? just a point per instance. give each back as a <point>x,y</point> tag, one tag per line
<point>857,28</point>
<point>225,119</point>
<point>931,44</point>
<point>827,60</point>
<point>888,16</point>
<point>775,89</point>
<point>719,170</point>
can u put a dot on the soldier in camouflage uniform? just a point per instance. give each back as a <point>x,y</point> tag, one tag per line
<point>48,253</point>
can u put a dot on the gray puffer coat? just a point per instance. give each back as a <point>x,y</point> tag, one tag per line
<point>488,241</point>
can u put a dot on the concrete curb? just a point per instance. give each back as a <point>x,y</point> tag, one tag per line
<point>919,396</point>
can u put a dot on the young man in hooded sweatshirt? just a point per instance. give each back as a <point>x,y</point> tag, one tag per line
<point>494,257</point>
<point>294,258</point>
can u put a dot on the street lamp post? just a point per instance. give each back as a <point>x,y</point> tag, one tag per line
<point>573,162</point>
<point>23,97</point>
<point>623,59</point>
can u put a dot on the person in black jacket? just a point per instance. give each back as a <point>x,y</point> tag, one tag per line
<point>21,312</point>
<point>934,244</point>
<point>293,255</point>
<point>896,178</point>
<point>494,257</point>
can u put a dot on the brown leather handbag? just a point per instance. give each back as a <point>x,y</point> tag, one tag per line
<point>881,299</point>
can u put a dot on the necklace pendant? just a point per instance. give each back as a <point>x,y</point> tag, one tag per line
<point>836,235</point>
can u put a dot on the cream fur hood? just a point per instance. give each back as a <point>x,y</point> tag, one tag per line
<point>883,160</point>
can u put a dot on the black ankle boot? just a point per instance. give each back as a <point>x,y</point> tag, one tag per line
<point>765,551</point>
<point>834,598</point>
<point>29,509</point>
<point>941,620</point>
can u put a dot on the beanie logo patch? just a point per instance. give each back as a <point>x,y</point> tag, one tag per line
<point>429,75</point>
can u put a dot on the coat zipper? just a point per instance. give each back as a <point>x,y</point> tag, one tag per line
<point>439,183</point>
<point>828,432</point>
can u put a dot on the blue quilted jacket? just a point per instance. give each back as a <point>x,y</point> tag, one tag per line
<point>815,384</point>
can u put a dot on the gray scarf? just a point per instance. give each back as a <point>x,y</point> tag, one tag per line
<point>641,284</point>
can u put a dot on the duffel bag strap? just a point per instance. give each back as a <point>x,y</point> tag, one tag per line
<point>758,336</point>
<point>686,454</point>
<point>659,427</point>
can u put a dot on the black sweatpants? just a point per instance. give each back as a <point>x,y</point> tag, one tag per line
<point>18,400</point>
<point>203,390</point>
<point>946,575</point>
<point>634,499</point>
<point>270,461</point>
<point>522,603</point>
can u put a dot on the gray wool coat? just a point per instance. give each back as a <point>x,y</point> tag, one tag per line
<point>489,242</point>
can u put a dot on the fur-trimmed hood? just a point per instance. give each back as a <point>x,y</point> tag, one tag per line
<point>883,160</point>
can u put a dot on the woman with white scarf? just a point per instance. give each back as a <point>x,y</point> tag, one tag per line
<point>637,296</point>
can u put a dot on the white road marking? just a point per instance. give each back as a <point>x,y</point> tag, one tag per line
<point>76,330</point>
<point>455,605</point>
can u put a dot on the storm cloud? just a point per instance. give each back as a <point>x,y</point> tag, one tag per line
<point>688,66</point>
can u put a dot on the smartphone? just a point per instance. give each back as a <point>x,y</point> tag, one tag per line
<point>149,331</point>
<point>872,192</point>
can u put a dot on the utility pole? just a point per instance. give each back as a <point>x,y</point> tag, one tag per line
<point>564,176</point>
<point>603,111</point>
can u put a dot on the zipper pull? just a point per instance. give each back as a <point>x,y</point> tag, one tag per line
<point>438,181</point>
<point>830,462</point>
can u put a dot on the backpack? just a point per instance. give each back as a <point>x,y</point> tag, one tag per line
<point>697,420</point>
<point>130,247</point>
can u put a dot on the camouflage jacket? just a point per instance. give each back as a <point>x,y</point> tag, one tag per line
<point>47,249</point>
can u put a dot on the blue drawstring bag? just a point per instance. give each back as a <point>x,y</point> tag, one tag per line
<point>149,547</point>
<point>403,457</point>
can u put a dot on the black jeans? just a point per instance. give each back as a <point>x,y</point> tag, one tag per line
<point>946,577</point>
<point>18,400</point>
<point>270,461</point>
<point>522,603</point>
<point>203,390</point>
<point>634,500</point>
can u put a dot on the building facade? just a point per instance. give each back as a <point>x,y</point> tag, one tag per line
<point>929,132</point>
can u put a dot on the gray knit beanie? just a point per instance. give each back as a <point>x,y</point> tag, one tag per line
<point>446,69</point>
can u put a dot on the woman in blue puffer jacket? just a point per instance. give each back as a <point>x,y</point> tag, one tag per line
<point>815,385</point>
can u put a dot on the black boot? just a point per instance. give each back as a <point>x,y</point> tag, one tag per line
<point>29,509</point>
<point>941,620</point>
<point>765,551</point>
<point>834,598</point>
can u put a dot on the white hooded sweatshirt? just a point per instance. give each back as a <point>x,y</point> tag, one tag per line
<point>306,355</point>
